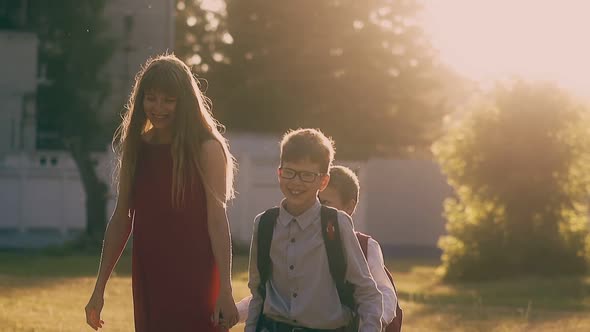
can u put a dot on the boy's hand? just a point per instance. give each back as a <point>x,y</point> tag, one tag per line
<point>93,310</point>
<point>226,313</point>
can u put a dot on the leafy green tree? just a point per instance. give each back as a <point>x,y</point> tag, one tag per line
<point>201,37</point>
<point>520,165</point>
<point>363,71</point>
<point>73,50</point>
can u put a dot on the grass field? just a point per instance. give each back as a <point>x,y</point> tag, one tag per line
<point>48,293</point>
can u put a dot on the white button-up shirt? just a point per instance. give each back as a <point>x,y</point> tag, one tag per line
<point>377,269</point>
<point>301,290</point>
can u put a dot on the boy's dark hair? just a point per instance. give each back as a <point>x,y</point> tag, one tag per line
<point>345,182</point>
<point>312,144</point>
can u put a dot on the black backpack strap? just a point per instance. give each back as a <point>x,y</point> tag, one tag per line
<point>266,227</point>
<point>335,252</point>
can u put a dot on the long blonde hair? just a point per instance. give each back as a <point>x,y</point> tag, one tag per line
<point>194,124</point>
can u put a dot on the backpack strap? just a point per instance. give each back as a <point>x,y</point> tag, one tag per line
<point>266,227</point>
<point>396,324</point>
<point>363,241</point>
<point>335,252</point>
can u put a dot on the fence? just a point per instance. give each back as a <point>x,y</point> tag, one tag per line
<point>400,203</point>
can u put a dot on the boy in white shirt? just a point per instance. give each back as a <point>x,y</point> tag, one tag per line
<point>342,193</point>
<point>290,275</point>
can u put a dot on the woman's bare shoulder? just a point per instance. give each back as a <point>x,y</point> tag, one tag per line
<point>211,147</point>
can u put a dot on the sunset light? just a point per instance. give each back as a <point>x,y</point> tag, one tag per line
<point>486,40</point>
<point>189,165</point>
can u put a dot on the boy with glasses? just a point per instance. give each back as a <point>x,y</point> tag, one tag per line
<point>300,294</point>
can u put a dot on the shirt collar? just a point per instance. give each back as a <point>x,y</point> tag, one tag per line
<point>303,220</point>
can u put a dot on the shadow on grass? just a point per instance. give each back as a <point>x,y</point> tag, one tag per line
<point>43,265</point>
<point>37,269</point>
<point>32,269</point>
<point>557,294</point>
<point>480,317</point>
<point>569,293</point>
<point>20,270</point>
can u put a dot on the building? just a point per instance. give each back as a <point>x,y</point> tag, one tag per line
<point>40,190</point>
<point>140,28</point>
<point>17,91</point>
<point>41,196</point>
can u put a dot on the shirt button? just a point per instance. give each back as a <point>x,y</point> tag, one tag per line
<point>291,267</point>
<point>294,294</point>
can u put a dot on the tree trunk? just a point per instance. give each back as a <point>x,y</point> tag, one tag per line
<point>96,192</point>
<point>96,206</point>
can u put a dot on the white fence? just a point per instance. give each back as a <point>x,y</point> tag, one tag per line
<point>400,203</point>
<point>41,197</point>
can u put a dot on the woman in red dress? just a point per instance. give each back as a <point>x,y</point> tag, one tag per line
<point>175,176</point>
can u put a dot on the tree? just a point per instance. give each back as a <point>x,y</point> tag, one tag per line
<point>363,71</point>
<point>520,166</point>
<point>201,38</point>
<point>73,49</point>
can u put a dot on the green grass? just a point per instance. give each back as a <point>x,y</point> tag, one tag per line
<point>48,293</point>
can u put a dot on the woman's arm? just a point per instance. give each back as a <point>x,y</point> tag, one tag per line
<point>214,165</point>
<point>115,239</point>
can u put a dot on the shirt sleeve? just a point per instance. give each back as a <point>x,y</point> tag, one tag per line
<point>256,302</point>
<point>376,266</point>
<point>366,295</point>
<point>243,308</point>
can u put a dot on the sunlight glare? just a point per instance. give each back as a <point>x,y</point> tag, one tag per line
<point>217,6</point>
<point>494,39</point>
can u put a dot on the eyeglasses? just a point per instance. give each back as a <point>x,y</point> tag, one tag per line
<point>305,176</point>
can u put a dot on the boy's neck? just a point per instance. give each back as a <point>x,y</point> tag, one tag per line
<point>296,211</point>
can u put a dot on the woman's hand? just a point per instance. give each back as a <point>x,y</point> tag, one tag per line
<point>93,310</point>
<point>226,314</point>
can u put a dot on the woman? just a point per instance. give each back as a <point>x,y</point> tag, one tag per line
<point>175,176</point>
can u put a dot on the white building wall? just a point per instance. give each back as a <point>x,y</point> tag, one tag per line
<point>400,204</point>
<point>18,73</point>
<point>151,32</point>
<point>41,190</point>
<point>405,202</point>
<point>36,195</point>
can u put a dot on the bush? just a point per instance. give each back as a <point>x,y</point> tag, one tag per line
<point>519,163</point>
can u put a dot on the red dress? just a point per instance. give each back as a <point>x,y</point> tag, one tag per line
<point>175,277</point>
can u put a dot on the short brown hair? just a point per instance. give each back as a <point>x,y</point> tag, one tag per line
<point>345,182</point>
<point>312,144</point>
